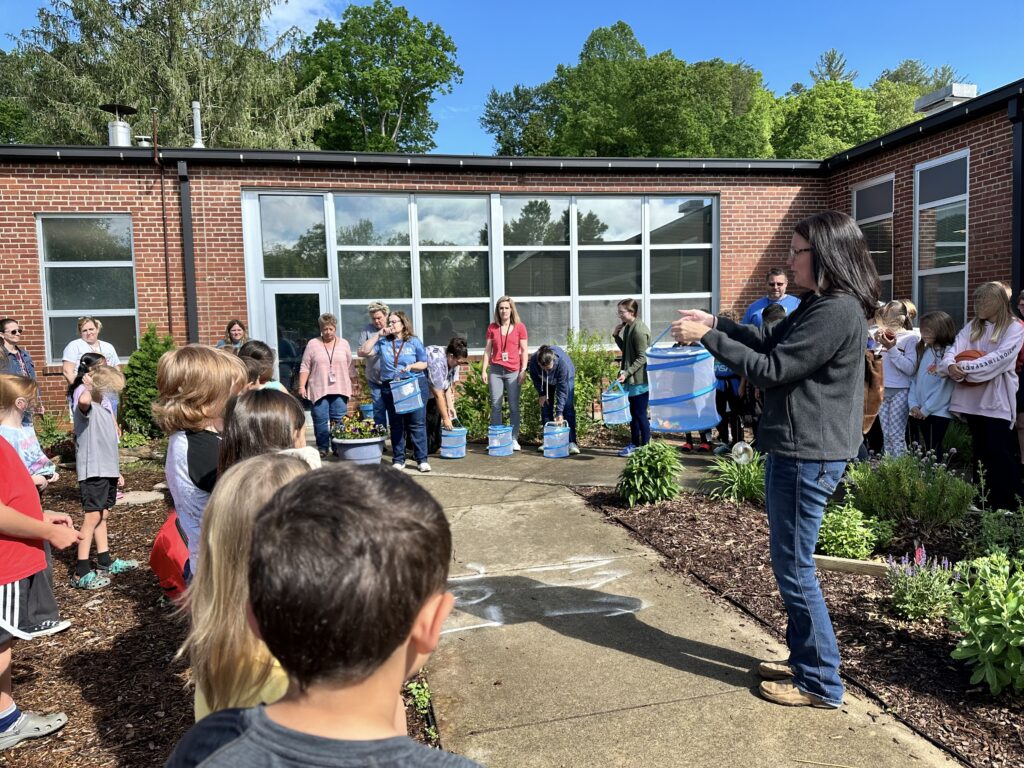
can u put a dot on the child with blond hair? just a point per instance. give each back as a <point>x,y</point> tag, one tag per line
<point>18,397</point>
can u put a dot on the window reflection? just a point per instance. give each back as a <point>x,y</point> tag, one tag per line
<point>603,272</point>
<point>680,221</point>
<point>294,236</point>
<point>372,219</point>
<point>81,238</point>
<point>541,221</point>
<point>608,221</point>
<point>452,220</point>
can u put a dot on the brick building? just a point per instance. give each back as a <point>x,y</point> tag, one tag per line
<point>188,238</point>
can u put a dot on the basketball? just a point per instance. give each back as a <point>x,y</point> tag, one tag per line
<point>969,354</point>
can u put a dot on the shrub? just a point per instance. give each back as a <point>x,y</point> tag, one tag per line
<point>650,474</point>
<point>135,409</point>
<point>957,445</point>
<point>999,530</point>
<point>846,533</point>
<point>916,488</point>
<point>735,482</point>
<point>921,588</point>
<point>133,440</point>
<point>989,611</point>
<point>50,430</point>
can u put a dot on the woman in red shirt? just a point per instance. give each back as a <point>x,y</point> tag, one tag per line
<point>505,362</point>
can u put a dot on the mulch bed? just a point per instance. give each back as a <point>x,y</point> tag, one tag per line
<point>907,667</point>
<point>113,672</point>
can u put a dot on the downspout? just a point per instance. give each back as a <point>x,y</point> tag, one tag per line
<point>188,252</point>
<point>1015,112</point>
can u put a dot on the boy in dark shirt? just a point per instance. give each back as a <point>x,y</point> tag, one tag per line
<point>347,587</point>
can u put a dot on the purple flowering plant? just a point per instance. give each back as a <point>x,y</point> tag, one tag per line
<point>922,587</point>
<point>354,427</point>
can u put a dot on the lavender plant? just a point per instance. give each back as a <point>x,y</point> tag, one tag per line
<point>922,588</point>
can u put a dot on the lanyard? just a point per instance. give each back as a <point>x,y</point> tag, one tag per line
<point>399,352</point>
<point>504,338</point>
<point>330,355</point>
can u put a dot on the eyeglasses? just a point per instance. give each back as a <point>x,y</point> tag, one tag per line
<point>794,252</point>
<point>15,332</point>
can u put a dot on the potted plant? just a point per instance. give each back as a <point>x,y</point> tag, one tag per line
<point>358,439</point>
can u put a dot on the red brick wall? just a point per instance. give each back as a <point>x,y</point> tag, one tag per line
<point>989,203</point>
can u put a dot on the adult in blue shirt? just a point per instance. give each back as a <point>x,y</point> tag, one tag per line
<point>16,358</point>
<point>399,353</point>
<point>554,377</point>
<point>777,284</point>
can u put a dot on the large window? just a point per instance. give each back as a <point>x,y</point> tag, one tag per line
<point>88,269</point>
<point>873,209</point>
<point>940,235</point>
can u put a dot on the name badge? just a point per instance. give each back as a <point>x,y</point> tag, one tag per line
<point>504,357</point>
<point>331,379</point>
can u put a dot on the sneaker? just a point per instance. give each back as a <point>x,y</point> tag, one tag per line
<point>424,466</point>
<point>686,447</point>
<point>704,448</point>
<point>627,450</point>
<point>515,445</point>
<point>774,670</point>
<point>32,726</point>
<point>787,694</point>
<point>399,465</point>
<point>91,580</point>
<point>118,566</point>
<point>120,495</point>
<point>540,448</point>
<point>722,450</point>
<point>48,627</point>
<point>573,449</point>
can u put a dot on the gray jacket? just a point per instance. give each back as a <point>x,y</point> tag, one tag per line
<point>810,366</point>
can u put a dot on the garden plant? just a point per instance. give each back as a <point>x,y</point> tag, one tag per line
<point>732,481</point>
<point>139,392</point>
<point>922,588</point>
<point>847,532</point>
<point>650,474</point>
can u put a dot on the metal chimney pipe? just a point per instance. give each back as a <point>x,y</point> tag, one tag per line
<point>197,127</point>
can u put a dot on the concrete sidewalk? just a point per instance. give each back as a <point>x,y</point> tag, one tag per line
<point>571,646</point>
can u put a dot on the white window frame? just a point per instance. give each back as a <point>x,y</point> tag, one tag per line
<point>54,356</point>
<point>854,189</point>
<point>964,198</point>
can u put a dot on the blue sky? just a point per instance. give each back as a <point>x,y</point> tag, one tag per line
<point>501,44</point>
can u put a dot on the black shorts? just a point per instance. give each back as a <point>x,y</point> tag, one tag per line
<point>98,493</point>
<point>27,603</point>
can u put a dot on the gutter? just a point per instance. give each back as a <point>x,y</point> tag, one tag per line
<point>188,253</point>
<point>1015,113</point>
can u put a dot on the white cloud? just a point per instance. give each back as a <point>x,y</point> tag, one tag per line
<point>303,14</point>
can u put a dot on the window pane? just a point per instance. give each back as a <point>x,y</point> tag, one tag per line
<point>942,181</point>
<point>450,274</point>
<point>374,273</point>
<point>353,319</point>
<point>680,220</point>
<point>945,292</point>
<point>537,273</point>
<point>879,237</point>
<point>886,292</point>
<point>297,315</point>
<point>452,220</point>
<point>608,220</point>
<point>542,221</point>
<point>602,272</point>
<point>372,219</point>
<point>664,312</point>
<point>294,236</point>
<point>90,287</point>
<point>118,330</point>
<point>599,317</point>
<point>442,321</point>
<point>942,236</point>
<point>87,239</point>
<point>546,321</point>
<point>874,201</point>
<point>680,271</point>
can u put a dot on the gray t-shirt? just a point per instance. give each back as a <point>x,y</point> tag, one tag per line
<point>247,737</point>
<point>373,361</point>
<point>95,440</point>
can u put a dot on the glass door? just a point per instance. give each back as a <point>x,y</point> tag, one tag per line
<point>290,318</point>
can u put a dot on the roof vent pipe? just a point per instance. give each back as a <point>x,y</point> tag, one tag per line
<point>197,127</point>
<point>119,133</point>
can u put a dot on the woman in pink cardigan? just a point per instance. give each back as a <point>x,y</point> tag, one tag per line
<point>326,378</point>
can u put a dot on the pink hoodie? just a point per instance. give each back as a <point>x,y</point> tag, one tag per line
<point>996,397</point>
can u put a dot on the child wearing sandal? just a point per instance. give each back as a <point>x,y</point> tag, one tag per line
<point>99,474</point>
<point>18,399</point>
<point>26,593</point>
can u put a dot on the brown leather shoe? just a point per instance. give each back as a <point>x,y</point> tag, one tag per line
<point>789,695</point>
<point>774,670</point>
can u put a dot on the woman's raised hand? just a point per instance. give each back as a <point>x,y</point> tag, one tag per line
<point>692,325</point>
<point>697,316</point>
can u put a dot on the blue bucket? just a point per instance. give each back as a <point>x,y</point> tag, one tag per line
<point>366,411</point>
<point>556,441</point>
<point>499,441</point>
<point>406,393</point>
<point>615,405</point>
<point>682,385</point>
<point>453,443</point>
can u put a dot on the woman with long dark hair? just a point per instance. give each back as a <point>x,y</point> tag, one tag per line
<point>810,366</point>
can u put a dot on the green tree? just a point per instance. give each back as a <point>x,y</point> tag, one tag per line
<point>382,69</point>
<point>831,66</point>
<point>136,406</point>
<point>15,126</point>
<point>163,55</point>
<point>897,89</point>
<point>829,117</point>
<point>519,120</point>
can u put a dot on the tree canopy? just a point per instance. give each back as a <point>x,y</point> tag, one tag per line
<point>382,69</point>
<point>162,55</point>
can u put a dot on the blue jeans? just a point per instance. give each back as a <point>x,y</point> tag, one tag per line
<point>380,413</point>
<point>547,411</point>
<point>639,422</point>
<point>501,380</point>
<point>412,425</point>
<point>327,409</point>
<point>796,492</point>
